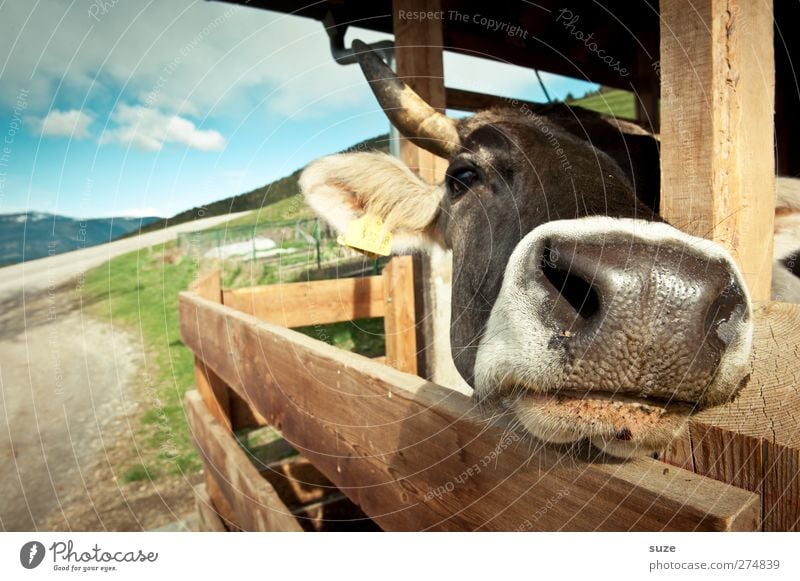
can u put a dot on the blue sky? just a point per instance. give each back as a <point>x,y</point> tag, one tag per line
<point>132,108</point>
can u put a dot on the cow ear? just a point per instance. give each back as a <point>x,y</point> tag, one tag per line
<point>343,188</point>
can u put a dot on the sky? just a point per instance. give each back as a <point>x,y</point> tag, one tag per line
<point>123,108</point>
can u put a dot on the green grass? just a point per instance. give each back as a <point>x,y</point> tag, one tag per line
<point>136,473</point>
<point>614,102</point>
<point>364,336</point>
<point>138,291</point>
<point>292,208</point>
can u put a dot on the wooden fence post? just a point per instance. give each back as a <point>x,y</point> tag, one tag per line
<point>418,58</point>
<point>717,100</point>
<point>215,393</point>
<point>398,319</point>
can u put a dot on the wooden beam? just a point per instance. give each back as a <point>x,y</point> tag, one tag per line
<point>297,481</point>
<point>754,442</point>
<point>208,518</point>
<point>399,329</point>
<point>335,513</point>
<point>418,61</point>
<point>225,405</point>
<point>471,101</point>
<point>255,503</point>
<point>463,100</point>
<point>215,393</point>
<point>647,89</point>
<point>415,455</point>
<point>717,101</point>
<point>212,389</point>
<point>300,304</point>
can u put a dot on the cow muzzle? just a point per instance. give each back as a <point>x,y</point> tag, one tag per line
<point>615,330</point>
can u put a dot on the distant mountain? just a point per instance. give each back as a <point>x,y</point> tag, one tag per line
<point>32,235</point>
<point>273,192</point>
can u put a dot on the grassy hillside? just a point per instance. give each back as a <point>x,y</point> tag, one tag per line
<point>259,198</point>
<point>292,208</point>
<point>609,102</point>
<point>279,200</point>
<point>614,102</point>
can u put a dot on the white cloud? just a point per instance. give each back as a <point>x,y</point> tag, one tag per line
<point>198,59</point>
<point>73,124</point>
<point>184,56</point>
<point>149,129</point>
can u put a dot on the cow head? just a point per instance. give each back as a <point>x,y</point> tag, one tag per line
<point>575,307</point>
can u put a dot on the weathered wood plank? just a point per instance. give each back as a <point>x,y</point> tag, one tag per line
<point>781,488</point>
<point>727,456</point>
<point>212,389</point>
<point>754,441</point>
<point>415,455</point>
<point>297,481</point>
<point>215,393</point>
<point>299,304</point>
<point>332,514</point>
<point>224,404</point>
<point>768,406</point>
<point>398,322</point>
<point>717,101</point>
<point>208,518</point>
<point>254,502</point>
<point>462,100</point>
<point>208,285</point>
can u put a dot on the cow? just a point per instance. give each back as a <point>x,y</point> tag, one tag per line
<point>786,268</point>
<point>576,309</point>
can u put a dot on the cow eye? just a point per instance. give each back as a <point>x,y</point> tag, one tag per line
<point>460,180</point>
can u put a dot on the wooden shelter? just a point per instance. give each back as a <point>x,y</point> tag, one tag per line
<point>410,453</point>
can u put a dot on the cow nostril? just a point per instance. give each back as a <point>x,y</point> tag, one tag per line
<point>726,314</point>
<point>577,291</point>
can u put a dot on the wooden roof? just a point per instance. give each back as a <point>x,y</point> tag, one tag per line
<point>553,41</point>
<point>545,37</point>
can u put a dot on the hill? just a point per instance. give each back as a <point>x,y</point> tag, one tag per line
<point>32,235</point>
<point>271,193</point>
<point>280,200</point>
<point>614,102</point>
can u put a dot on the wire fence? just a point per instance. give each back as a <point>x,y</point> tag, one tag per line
<point>262,241</point>
<point>275,251</point>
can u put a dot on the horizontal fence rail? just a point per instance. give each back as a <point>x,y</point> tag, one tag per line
<point>414,455</point>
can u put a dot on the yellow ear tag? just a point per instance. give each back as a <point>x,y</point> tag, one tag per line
<point>367,235</point>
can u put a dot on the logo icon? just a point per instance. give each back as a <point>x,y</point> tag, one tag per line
<point>31,554</point>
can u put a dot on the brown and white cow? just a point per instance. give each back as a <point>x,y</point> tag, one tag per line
<point>575,307</point>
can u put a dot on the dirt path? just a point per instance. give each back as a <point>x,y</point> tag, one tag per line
<point>68,405</point>
<point>60,403</point>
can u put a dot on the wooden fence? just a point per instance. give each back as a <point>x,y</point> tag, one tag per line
<point>382,447</point>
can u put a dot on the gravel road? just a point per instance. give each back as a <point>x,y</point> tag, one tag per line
<point>64,392</point>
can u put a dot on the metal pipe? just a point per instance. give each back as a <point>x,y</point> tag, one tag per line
<point>345,56</point>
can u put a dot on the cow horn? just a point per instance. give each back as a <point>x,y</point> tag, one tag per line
<point>407,111</point>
